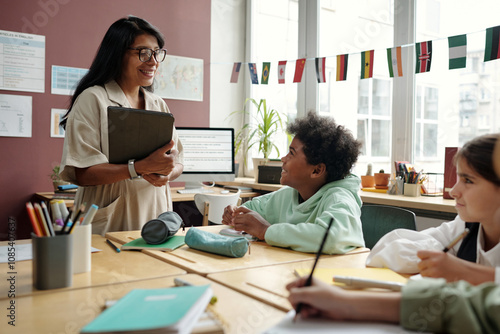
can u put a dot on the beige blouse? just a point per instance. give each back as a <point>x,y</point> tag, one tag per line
<point>124,205</point>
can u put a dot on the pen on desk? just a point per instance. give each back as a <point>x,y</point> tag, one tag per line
<point>309,279</point>
<point>181,282</point>
<point>113,246</point>
<point>456,240</point>
<point>367,283</point>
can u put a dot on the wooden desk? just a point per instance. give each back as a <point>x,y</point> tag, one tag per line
<point>432,207</point>
<point>203,263</point>
<point>268,284</point>
<point>68,311</point>
<point>107,267</point>
<point>176,197</point>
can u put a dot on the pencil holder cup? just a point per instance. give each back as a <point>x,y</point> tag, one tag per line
<point>82,240</point>
<point>52,261</point>
<point>412,189</point>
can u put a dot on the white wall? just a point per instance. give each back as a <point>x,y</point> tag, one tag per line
<point>227,46</point>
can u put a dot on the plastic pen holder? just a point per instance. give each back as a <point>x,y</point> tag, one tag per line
<point>82,240</point>
<point>412,189</point>
<point>52,261</point>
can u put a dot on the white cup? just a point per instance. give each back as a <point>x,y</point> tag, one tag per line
<point>412,189</point>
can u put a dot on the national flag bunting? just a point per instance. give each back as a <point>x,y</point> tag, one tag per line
<point>424,56</point>
<point>299,69</point>
<point>394,62</point>
<point>491,50</point>
<point>236,72</point>
<point>265,73</point>
<point>458,51</point>
<point>367,64</point>
<point>320,69</point>
<point>253,73</point>
<point>342,67</point>
<point>281,71</point>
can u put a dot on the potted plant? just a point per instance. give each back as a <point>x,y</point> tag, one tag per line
<point>368,181</point>
<point>267,123</point>
<point>382,179</point>
<point>56,179</point>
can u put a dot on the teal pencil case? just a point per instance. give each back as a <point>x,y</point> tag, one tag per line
<point>216,243</point>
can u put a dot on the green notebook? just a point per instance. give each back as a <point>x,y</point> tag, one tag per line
<point>165,310</point>
<point>172,243</point>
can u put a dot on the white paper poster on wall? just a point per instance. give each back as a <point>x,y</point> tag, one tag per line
<point>22,62</point>
<point>15,115</point>
<point>180,78</point>
<point>65,79</point>
<point>56,115</point>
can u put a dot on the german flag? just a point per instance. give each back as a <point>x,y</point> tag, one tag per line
<point>342,67</point>
<point>367,64</point>
<point>491,50</point>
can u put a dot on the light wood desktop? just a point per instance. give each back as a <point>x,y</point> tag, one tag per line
<point>430,205</point>
<point>107,267</point>
<point>433,207</point>
<point>68,311</point>
<point>203,263</point>
<point>268,284</point>
<point>176,197</point>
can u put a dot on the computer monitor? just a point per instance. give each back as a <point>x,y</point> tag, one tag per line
<point>208,155</point>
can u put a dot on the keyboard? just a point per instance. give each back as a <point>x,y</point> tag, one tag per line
<point>195,191</point>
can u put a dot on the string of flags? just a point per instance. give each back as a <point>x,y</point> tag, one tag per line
<point>457,59</point>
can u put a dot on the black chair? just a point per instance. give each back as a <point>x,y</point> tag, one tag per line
<point>378,220</point>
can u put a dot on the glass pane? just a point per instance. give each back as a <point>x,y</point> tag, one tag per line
<point>430,140</point>
<point>350,27</point>
<point>418,140</point>
<point>381,97</point>
<point>380,138</point>
<point>457,103</point>
<point>362,134</point>
<point>275,39</point>
<point>431,103</point>
<point>364,97</point>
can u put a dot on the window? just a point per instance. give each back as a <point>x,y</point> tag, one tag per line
<point>374,118</point>
<point>442,108</point>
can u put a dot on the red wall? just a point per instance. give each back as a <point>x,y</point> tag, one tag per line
<point>73,30</point>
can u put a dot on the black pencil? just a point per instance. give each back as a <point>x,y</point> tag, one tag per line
<point>113,246</point>
<point>309,279</point>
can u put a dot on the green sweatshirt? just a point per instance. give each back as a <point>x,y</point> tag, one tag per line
<point>432,305</point>
<point>301,226</point>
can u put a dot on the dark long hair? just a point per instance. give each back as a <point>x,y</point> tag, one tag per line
<point>107,64</point>
<point>478,153</point>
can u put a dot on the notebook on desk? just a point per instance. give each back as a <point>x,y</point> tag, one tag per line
<point>136,133</point>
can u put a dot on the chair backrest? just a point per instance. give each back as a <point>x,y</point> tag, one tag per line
<point>378,220</point>
<point>211,206</point>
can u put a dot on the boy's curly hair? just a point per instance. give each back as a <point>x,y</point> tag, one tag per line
<point>326,142</point>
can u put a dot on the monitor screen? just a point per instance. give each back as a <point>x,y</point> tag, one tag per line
<point>208,155</point>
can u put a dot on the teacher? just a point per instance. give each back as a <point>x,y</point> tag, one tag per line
<point>122,74</point>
